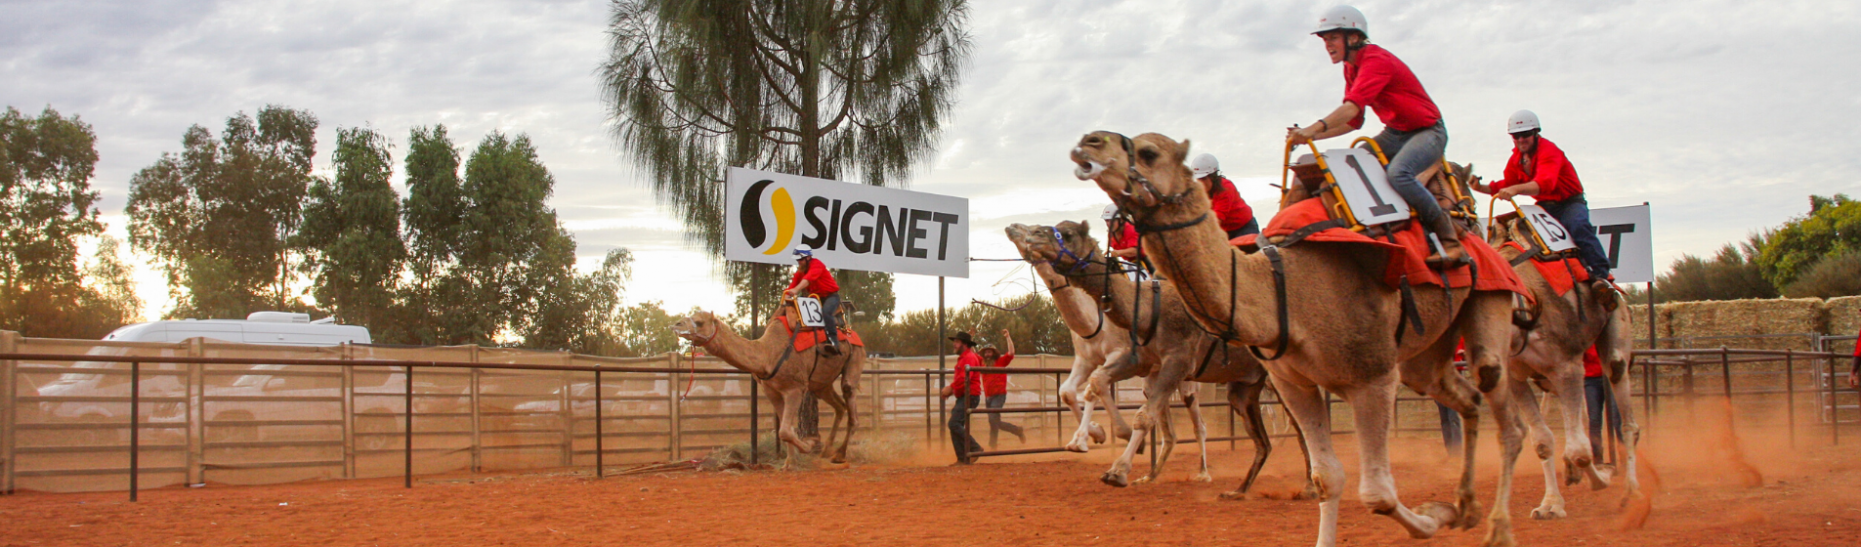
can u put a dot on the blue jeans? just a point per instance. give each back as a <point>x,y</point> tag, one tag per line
<point>1252,227</point>
<point>1574,214</point>
<point>1410,153</point>
<point>829,305</point>
<point>1450,427</point>
<point>996,424</point>
<point>1595,393</point>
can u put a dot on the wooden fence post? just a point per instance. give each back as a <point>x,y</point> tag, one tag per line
<point>568,415</point>
<point>196,415</point>
<point>9,374</point>
<point>476,386</point>
<point>348,413</point>
<point>677,449</point>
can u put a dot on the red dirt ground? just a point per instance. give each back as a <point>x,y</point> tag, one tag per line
<point>1809,496</point>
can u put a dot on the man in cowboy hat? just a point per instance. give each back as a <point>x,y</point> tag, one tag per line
<point>966,385</point>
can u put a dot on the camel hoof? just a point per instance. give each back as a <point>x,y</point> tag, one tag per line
<point>1443,513</point>
<point>1204,477</point>
<point>1077,446</point>
<point>1234,495</point>
<point>1114,479</point>
<point>1144,480</point>
<point>1309,493</point>
<point>1500,535</point>
<point>1543,513</point>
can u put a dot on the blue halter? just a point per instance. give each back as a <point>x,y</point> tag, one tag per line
<point>1078,263</point>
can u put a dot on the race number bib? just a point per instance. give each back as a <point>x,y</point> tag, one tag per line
<point>1366,187</point>
<point>810,312</point>
<point>1556,238</point>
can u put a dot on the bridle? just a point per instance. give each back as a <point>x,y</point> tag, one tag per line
<point>707,339</point>
<point>1130,173</point>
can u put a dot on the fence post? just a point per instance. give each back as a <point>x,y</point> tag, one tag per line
<point>476,387</point>
<point>407,394</point>
<point>755,419</point>
<point>135,427</point>
<point>196,415</point>
<point>1725,365</point>
<point>567,408</point>
<point>676,449</point>
<point>598,468</point>
<point>1789,391</point>
<point>9,381</point>
<point>1835,410</point>
<point>348,412</point>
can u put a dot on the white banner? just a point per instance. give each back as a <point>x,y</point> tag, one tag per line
<point>1627,235</point>
<point>849,226</point>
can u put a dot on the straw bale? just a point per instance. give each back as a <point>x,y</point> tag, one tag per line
<point>1638,323</point>
<point>1754,317</point>
<point>1844,315</point>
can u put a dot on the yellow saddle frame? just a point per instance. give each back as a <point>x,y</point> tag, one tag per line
<point>1339,205</point>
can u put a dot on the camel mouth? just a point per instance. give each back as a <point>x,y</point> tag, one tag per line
<point>1088,170</point>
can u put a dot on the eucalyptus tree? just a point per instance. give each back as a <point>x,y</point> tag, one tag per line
<point>351,234</point>
<point>218,215</point>
<point>46,207</point>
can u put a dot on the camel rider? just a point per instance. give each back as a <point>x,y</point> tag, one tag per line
<point>1123,239</point>
<point>1539,169</point>
<point>1414,137</point>
<point>812,277</point>
<point>1237,219</point>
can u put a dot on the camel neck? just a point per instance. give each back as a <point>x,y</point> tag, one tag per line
<point>1077,308</point>
<point>753,356</point>
<point>1219,284</point>
<point>1095,282</point>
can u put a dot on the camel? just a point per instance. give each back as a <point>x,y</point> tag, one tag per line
<point>1186,354</point>
<point>1329,325</point>
<point>1108,341</point>
<point>785,375</point>
<point>1563,327</point>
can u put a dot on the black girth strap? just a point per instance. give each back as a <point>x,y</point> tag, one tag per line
<point>786,351</point>
<point>1300,234</point>
<point>1279,295</point>
<point>1531,250</point>
<point>1410,313</point>
<point>1156,311</point>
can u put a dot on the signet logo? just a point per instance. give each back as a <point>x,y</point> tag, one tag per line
<point>781,206</point>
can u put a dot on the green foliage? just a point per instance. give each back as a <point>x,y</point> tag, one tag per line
<point>1732,274</point>
<point>218,215</point>
<point>1832,227</point>
<point>46,207</point>
<point>1837,275</point>
<point>646,329</point>
<point>351,234</point>
<point>1034,323</point>
<point>582,313</point>
<point>822,89</point>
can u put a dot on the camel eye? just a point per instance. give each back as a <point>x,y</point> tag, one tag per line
<point>1148,155</point>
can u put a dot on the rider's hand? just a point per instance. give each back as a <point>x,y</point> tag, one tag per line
<point>790,293</point>
<point>1479,184</point>
<point>1004,332</point>
<point>1298,135</point>
<point>1506,193</point>
<point>1854,380</point>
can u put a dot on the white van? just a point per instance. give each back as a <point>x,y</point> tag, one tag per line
<point>87,393</point>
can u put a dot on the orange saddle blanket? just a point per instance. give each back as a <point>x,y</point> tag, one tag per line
<point>1408,254</point>
<point>810,336</point>
<point>1563,275</point>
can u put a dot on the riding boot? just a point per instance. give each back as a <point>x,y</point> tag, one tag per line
<point>1605,293</point>
<point>1451,253</point>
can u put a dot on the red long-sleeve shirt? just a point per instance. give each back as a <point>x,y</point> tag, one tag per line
<point>997,384</point>
<point>1592,363</point>
<point>1230,209</point>
<point>820,281</point>
<point>1381,82</point>
<point>1125,238</point>
<point>966,381</point>
<point>1547,166</point>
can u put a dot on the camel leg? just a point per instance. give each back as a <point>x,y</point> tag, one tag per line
<point>1163,430</point>
<point>1157,395</point>
<point>1432,373</point>
<point>1188,392</point>
<point>851,389</point>
<point>1527,407</point>
<point>1244,399</point>
<point>1371,404</point>
<point>1120,365</point>
<point>1069,396</point>
<point>842,411</point>
<point>1613,347</point>
<point>1308,409</point>
<point>1511,443</point>
<point>1577,455</point>
<point>785,429</point>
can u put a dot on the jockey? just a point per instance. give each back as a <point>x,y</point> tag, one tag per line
<point>1539,169</point>
<point>1237,219</point>
<point>812,275</point>
<point>1414,137</point>
<point>1122,237</point>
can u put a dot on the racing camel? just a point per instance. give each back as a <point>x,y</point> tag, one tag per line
<point>785,373</point>
<point>1329,323</point>
<point>1185,354</point>
<point>1095,340</point>
<point>1561,328</point>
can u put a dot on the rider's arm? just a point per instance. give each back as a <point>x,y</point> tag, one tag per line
<point>801,287</point>
<point>1125,253</point>
<point>1338,122</point>
<point>1525,189</point>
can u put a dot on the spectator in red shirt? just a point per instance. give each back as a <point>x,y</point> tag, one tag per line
<point>1595,393</point>
<point>1237,218</point>
<point>966,386</point>
<point>1539,169</point>
<point>1414,137</point>
<point>812,277</point>
<point>1122,237</point>
<point>995,389</point>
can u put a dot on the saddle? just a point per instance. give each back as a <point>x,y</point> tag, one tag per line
<point>1562,269</point>
<point>1406,246</point>
<point>807,336</point>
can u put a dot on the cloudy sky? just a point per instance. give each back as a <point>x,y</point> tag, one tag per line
<point>1723,114</point>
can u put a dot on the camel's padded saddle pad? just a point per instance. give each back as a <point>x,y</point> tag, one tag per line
<point>810,336</point>
<point>1407,256</point>
<point>1562,273</point>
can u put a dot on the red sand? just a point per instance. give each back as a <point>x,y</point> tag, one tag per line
<point>1809,496</point>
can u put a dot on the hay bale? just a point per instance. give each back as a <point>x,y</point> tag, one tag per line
<point>1750,323</point>
<point>1638,323</point>
<point>1844,315</point>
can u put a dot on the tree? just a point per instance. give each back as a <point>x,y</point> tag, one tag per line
<point>351,234</point>
<point>218,215</point>
<point>433,212</point>
<point>1833,226</point>
<point>109,299</point>
<point>582,313</point>
<point>1731,275</point>
<point>46,206</point>
<point>645,330</point>
<point>1833,276</point>
<point>854,88</point>
<point>509,245</point>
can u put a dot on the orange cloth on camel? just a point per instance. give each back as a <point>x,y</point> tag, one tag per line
<point>1563,275</point>
<point>1407,255</point>
<point>812,335</point>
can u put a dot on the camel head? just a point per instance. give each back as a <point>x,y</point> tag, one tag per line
<point>1119,166</point>
<point>1038,243</point>
<point>699,327</point>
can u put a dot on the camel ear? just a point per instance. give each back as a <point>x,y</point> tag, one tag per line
<point>1182,152</point>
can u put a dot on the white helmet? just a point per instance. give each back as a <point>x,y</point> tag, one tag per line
<point>1522,121</point>
<point>1204,165</point>
<point>803,250</point>
<point>1111,212</point>
<point>1343,17</point>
